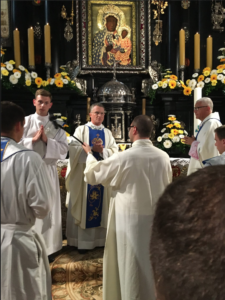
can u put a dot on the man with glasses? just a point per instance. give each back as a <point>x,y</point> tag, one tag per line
<point>88,205</point>
<point>203,145</point>
<point>138,176</point>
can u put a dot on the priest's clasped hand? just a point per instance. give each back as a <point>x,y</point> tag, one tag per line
<point>40,134</point>
<point>189,140</point>
<point>98,147</point>
<point>86,148</point>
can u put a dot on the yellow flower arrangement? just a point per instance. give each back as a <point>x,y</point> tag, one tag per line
<point>5,72</point>
<point>187,82</point>
<point>12,62</point>
<point>206,73</point>
<point>173,77</point>
<point>220,71</point>
<point>59,83</point>
<point>181,131</point>
<point>172,84</point>
<point>15,70</point>
<point>207,69</point>
<point>57,75</point>
<point>219,67</point>
<point>160,83</point>
<point>170,126</point>
<point>187,91</point>
<point>214,82</point>
<point>28,82</point>
<point>174,131</point>
<point>201,78</point>
<point>64,73</point>
<point>171,136</point>
<point>213,77</point>
<point>171,118</point>
<point>177,125</point>
<point>3,65</point>
<point>38,81</point>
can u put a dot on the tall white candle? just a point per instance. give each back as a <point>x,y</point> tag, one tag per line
<point>197,96</point>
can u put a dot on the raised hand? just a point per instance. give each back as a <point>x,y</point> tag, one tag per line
<point>98,147</point>
<point>38,135</point>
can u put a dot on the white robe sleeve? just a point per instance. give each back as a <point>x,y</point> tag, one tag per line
<point>57,148</point>
<point>26,142</point>
<point>112,146</point>
<point>206,147</point>
<point>106,172</point>
<point>39,189</point>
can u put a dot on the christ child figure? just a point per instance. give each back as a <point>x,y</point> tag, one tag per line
<point>125,46</point>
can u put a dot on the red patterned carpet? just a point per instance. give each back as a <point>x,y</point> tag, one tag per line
<point>77,276</point>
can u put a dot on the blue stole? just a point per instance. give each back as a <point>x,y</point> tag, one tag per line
<point>95,192</point>
<point>4,145</point>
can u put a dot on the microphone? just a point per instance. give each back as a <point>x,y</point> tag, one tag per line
<point>53,118</point>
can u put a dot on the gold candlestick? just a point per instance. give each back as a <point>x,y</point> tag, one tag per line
<point>88,108</point>
<point>209,50</point>
<point>182,47</point>
<point>16,39</point>
<point>143,106</point>
<point>197,52</point>
<point>30,33</point>
<point>47,34</point>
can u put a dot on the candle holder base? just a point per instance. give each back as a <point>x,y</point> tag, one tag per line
<point>32,68</point>
<point>48,67</point>
<point>181,70</point>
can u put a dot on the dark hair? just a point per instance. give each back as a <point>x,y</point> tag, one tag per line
<point>144,125</point>
<point>188,238</point>
<point>44,93</point>
<point>10,115</point>
<point>220,131</point>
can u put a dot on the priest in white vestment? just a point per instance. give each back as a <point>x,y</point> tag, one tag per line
<point>203,145</point>
<point>138,176</point>
<point>220,145</point>
<point>86,226</point>
<point>41,136</point>
<point>26,194</point>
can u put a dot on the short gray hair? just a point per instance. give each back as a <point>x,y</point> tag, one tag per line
<point>207,101</point>
<point>96,104</point>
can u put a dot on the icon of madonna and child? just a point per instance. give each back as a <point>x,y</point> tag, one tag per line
<point>112,42</point>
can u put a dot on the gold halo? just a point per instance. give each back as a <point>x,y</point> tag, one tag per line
<point>125,27</point>
<point>110,10</point>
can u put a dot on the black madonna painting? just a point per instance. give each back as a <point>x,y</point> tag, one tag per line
<point>111,38</point>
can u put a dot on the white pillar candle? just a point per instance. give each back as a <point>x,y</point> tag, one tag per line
<point>197,96</point>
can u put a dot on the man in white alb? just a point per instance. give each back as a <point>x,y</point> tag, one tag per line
<point>220,145</point>
<point>88,205</point>
<point>138,176</point>
<point>202,146</point>
<point>26,194</point>
<point>41,136</point>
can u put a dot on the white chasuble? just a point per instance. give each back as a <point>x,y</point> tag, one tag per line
<point>138,177</point>
<point>26,194</point>
<point>56,148</point>
<point>77,233</point>
<point>206,138</point>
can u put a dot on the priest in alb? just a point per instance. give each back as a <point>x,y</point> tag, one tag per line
<point>203,145</point>
<point>51,144</point>
<point>88,205</point>
<point>26,194</point>
<point>138,176</point>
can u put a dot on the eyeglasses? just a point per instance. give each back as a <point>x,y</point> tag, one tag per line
<point>98,113</point>
<point>197,108</point>
<point>129,127</point>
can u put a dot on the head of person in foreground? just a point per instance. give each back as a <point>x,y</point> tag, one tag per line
<point>220,138</point>
<point>12,120</point>
<point>188,238</point>
<point>140,128</point>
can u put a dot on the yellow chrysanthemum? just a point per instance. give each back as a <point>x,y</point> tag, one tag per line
<point>187,91</point>
<point>219,67</point>
<point>207,69</point>
<point>201,78</point>
<point>160,83</point>
<point>172,84</point>
<point>174,77</point>
<point>15,70</point>
<point>171,136</point>
<point>171,118</point>
<point>222,59</point>
<point>187,82</point>
<point>12,62</point>
<point>167,76</point>
<point>5,73</point>
<point>214,82</point>
<point>64,73</point>
<point>57,75</point>
<point>220,71</point>
<point>174,131</point>
<point>213,77</point>
<point>67,77</point>
<point>38,81</point>
<point>26,70</point>
<point>28,82</point>
<point>164,79</point>
<point>49,80</point>
<point>65,125</point>
<point>2,65</point>
<point>59,83</point>
<point>64,118</point>
<point>181,131</point>
<point>181,82</point>
<point>170,126</point>
<point>45,83</point>
<point>206,73</point>
<point>177,125</point>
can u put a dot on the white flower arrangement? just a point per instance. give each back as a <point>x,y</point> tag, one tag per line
<point>201,84</point>
<point>13,79</point>
<point>172,139</point>
<point>17,74</point>
<point>9,67</point>
<point>33,74</point>
<point>195,75</point>
<point>154,86</point>
<point>213,72</point>
<point>207,80</point>
<point>220,77</point>
<point>164,85</point>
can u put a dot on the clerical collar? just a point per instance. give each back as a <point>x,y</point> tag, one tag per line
<point>42,117</point>
<point>142,142</point>
<point>90,124</point>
